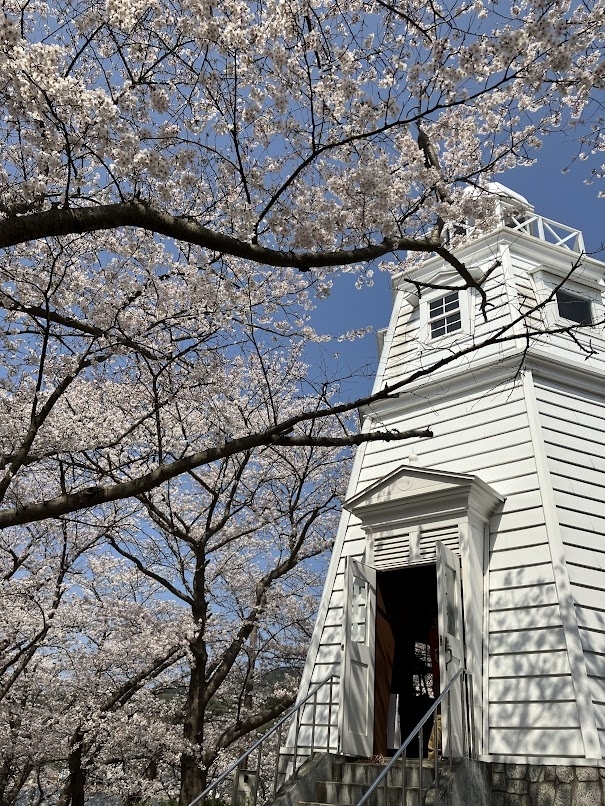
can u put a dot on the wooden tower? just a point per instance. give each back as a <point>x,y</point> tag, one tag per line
<point>496,525</point>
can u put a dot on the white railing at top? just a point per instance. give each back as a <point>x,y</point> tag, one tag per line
<point>546,230</point>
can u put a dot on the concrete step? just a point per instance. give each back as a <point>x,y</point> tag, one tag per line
<point>411,799</point>
<point>367,773</point>
<point>350,794</point>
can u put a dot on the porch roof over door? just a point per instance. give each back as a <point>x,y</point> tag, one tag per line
<point>413,495</point>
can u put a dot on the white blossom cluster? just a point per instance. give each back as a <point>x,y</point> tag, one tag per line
<point>295,123</point>
<point>168,471</point>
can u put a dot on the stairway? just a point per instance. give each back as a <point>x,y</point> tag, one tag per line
<point>351,780</point>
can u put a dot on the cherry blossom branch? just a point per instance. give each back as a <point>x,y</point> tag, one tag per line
<point>38,312</point>
<point>252,722</point>
<point>278,434</point>
<point>69,221</point>
<point>99,494</point>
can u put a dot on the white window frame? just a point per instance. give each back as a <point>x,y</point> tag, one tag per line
<point>447,317</point>
<point>547,283</point>
<point>465,300</point>
<point>580,298</point>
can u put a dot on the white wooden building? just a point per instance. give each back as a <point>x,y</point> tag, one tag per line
<point>507,497</point>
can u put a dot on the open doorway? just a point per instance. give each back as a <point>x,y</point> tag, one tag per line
<point>407,676</point>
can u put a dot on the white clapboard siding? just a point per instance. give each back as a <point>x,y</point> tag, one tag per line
<point>512,641</point>
<point>587,577</point>
<point>566,421</point>
<point>582,458</point>
<point>544,714</point>
<point>516,599</point>
<point>528,696</point>
<point>517,537</point>
<point>531,689</point>
<point>322,671</point>
<point>530,664</point>
<point>589,554</point>
<point>574,434</point>
<point>595,664</point>
<point>542,742</point>
<point>526,575</point>
<point>592,620</point>
<point>577,526</point>
<point>523,555</point>
<point>334,617</point>
<point>525,619</point>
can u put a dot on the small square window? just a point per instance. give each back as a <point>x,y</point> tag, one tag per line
<point>576,309</point>
<point>444,315</point>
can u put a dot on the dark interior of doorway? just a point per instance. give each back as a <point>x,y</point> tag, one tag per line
<point>406,630</point>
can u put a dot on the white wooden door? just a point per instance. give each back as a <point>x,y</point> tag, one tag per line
<point>451,647</point>
<point>357,692</point>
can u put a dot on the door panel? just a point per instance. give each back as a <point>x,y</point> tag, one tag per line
<point>451,647</point>
<point>357,701</point>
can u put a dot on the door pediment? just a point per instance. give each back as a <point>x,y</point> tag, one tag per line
<point>412,494</point>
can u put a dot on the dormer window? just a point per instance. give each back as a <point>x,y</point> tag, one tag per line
<point>575,308</point>
<point>444,315</point>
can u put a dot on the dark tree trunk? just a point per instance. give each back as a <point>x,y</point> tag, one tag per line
<point>193,778</point>
<point>73,789</point>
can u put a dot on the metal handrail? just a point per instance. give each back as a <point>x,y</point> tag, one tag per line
<point>259,742</point>
<point>418,731</point>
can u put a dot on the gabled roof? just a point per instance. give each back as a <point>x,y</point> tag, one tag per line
<point>414,492</point>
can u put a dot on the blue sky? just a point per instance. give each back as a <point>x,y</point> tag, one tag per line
<point>563,197</point>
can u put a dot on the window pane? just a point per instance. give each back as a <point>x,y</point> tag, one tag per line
<point>444,315</point>
<point>453,322</point>
<point>437,328</point>
<point>577,309</point>
<point>436,307</point>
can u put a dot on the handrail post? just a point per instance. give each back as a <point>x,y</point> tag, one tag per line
<point>472,716</point>
<point>463,704</point>
<point>329,718</point>
<point>276,774</point>
<point>234,790</point>
<point>314,720</point>
<point>449,727</point>
<point>420,753</point>
<point>436,748</point>
<point>294,763</point>
<point>403,777</point>
<point>257,778</point>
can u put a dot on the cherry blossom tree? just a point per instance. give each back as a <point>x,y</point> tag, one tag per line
<point>83,655</point>
<point>178,183</point>
<point>177,178</point>
<point>203,589</point>
<point>233,545</point>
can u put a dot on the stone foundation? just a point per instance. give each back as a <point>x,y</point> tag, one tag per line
<point>534,785</point>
